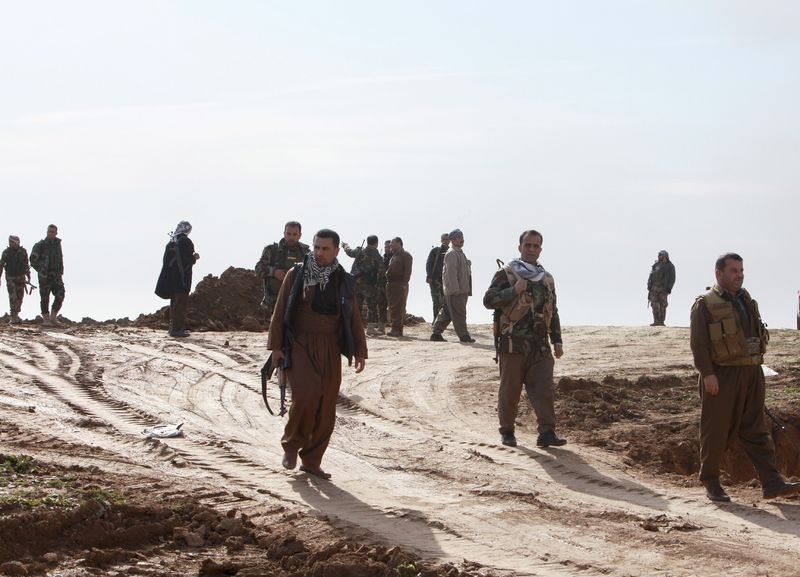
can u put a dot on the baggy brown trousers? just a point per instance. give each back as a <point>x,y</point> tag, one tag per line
<point>535,371</point>
<point>737,411</point>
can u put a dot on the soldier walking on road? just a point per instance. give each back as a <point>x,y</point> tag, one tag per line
<point>397,276</point>
<point>433,273</point>
<point>314,324</point>
<point>14,262</point>
<point>728,341</point>
<point>523,295</point>
<point>370,274</point>
<point>278,258</point>
<point>659,286</point>
<point>48,261</point>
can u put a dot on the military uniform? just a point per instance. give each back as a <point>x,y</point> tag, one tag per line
<point>370,274</point>
<point>433,270</point>
<point>14,262</point>
<point>728,340</point>
<point>659,286</point>
<point>383,301</point>
<point>398,274</point>
<point>277,256</point>
<point>523,325</point>
<point>48,261</point>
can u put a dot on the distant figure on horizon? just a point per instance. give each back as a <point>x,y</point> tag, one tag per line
<point>398,273</point>
<point>523,296</point>
<point>370,274</point>
<point>728,341</point>
<point>276,260</point>
<point>433,273</point>
<point>48,260</point>
<point>14,262</point>
<point>457,286</point>
<point>315,322</point>
<point>659,286</point>
<point>175,281</point>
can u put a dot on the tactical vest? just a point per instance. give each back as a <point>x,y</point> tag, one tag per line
<point>729,345</point>
<point>525,303</point>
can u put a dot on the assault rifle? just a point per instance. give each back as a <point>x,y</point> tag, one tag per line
<point>782,427</point>
<point>266,375</point>
<point>30,287</point>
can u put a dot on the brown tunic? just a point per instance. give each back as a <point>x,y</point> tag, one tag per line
<point>316,372</point>
<point>397,276</point>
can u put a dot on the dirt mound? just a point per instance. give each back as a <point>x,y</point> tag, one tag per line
<point>654,422</point>
<point>230,302</point>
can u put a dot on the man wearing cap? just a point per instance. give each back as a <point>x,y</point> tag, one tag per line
<point>48,260</point>
<point>659,285</point>
<point>457,286</point>
<point>433,273</point>
<point>15,264</point>
<point>398,274</point>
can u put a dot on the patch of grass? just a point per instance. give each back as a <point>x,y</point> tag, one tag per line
<point>19,464</point>
<point>407,570</point>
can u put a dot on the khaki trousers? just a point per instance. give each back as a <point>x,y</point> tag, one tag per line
<point>454,309</point>
<point>535,371</point>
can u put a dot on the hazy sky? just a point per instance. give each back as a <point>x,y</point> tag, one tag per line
<point>615,128</point>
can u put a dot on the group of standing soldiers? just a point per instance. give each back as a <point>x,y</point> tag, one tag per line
<point>47,260</point>
<point>381,281</point>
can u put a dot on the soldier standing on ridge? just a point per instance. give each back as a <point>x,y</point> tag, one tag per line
<point>433,273</point>
<point>659,285</point>
<point>728,341</point>
<point>397,276</point>
<point>48,260</point>
<point>278,258</point>
<point>383,301</point>
<point>457,283</point>
<point>15,263</point>
<point>523,295</point>
<point>368,270</point>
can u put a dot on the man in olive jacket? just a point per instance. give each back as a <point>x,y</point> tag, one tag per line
<point>15,264</point>
<point>48,260</point>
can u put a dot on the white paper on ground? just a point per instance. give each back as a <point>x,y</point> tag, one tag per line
<point>768,372</point>
<point>164,431</point>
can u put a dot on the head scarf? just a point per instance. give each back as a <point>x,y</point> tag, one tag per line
<point>313,274</point>
<point>456,234</point>
<point>663,253</point>
<point>183,228</point>
<point>13,238</point>
<point>526,270</point>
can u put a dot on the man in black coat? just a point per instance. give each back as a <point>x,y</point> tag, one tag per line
<point>175,280</point>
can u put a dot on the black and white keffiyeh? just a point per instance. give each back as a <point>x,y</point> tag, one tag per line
<point>528,271</point>
<point>313,274</point>
<point>183,228</point>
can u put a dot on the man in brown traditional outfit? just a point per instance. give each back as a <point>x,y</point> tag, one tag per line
<point>314,323</point>
<point>398,273</point>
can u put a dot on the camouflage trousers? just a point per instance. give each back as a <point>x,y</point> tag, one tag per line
<point>383,304</point>
<point>367,299</point>
<point>51,284</point>
<point>437,296</point>
<point>16,292</point>
<point>658,302</point>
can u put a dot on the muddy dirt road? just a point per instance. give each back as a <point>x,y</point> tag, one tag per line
<point>415,457</point>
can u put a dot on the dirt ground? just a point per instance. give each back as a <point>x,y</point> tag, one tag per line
<point>420,482</point>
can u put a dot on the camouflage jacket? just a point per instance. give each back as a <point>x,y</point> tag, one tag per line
<point>662,276</point>
<point>15,263</point>
<point>529,332</point>
<point>47,258</point>
<point>368,266</point>
<point>278,256</point>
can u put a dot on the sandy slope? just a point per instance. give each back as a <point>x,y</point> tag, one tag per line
<point>415,457</point>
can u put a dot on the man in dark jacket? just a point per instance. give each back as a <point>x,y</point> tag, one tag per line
<point>15,263</point>
<point>659,286</point>
<point>175,281</point>
<point>315,322</point>
<point>48,260</point>
<point>433,273</point>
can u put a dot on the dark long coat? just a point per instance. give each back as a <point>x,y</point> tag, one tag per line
<point>176,269</point>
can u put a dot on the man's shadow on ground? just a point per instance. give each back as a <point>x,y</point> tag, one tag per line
<point>407,528</point>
